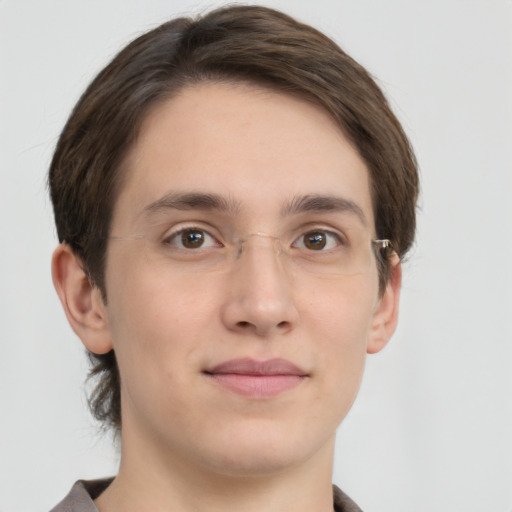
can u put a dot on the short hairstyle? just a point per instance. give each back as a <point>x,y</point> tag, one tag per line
<point>231,44</point>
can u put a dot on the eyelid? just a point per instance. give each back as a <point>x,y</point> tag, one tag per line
<point>342,234</point>
<point>175,231</point>
<point>341,240</point>
<point>219,236</point>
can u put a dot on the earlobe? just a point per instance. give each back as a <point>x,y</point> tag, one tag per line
<point>385,317</point>
<point>82,302</point>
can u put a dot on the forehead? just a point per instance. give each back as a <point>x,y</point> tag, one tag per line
<point>255,146</point>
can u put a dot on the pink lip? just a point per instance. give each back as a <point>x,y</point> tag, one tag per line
<point>257,379</point>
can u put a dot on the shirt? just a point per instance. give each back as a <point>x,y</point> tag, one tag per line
<point>82,494</point>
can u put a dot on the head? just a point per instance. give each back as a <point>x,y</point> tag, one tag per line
<point>245,48</point>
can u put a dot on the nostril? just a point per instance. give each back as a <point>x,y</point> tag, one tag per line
<point>282,324</point>
<point>244,324</point>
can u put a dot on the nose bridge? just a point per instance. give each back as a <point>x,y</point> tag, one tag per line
<point>261,296</point>
<point>259,241</point>
<point>260,261</point>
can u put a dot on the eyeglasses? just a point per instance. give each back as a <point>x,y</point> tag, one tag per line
<point>314,249</point>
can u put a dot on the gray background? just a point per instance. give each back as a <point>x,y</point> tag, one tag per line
<point>432,427</point>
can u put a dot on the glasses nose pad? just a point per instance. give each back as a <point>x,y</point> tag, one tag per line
<point>259,240</point>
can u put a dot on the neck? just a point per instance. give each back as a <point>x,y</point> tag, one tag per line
<point>151,479</point>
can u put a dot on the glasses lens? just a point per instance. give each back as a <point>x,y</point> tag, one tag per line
<point>317,252</point>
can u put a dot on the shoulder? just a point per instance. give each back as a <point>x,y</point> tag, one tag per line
<point>342,503</point>
<point>80,497</point>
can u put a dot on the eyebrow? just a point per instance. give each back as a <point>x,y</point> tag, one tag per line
<point>193,201</point>
<point>217,202</point>
<point>322,203</point>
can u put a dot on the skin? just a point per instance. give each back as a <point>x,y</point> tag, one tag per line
<point>188,443</point>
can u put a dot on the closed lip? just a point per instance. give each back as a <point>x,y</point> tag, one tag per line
<point>257,379</point>
<point>249,366</point>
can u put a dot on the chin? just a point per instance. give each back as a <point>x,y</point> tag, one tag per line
<point>260,452</point>
<point>258,462</point>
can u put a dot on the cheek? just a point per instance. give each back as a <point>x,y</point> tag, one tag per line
<point>154,320</point>
<point>155,326</point>
<point>142,294</point>
<point>340,320</point>
<point>337,318</point>
<point>342,308</point>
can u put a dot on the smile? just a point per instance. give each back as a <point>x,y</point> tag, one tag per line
<point>257,379</point>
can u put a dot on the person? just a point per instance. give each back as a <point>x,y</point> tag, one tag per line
<point>233,198</point>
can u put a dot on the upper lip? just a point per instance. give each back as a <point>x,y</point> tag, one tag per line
<point>247,366</point>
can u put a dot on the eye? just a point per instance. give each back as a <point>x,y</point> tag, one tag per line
<point>192,238</point>
<point>318,240</point>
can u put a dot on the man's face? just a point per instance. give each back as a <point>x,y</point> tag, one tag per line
<point>244,363</point>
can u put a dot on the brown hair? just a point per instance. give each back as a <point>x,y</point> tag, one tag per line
<point>238,43</point>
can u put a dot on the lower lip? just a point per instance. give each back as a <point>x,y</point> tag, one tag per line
<point>257,386</point>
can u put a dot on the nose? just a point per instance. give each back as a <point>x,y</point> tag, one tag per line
<point>259,299</point>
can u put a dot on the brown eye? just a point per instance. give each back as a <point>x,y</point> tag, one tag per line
<point>192,238</point>
<point>316,240</point>
<point>320,240</point>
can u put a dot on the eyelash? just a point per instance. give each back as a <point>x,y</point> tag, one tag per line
<point>299,242</point>
<point>168,240</point>
<point>339,240</point>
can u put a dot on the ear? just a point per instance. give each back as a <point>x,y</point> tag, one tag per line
<point>385,317</point>
<point>82,301</point>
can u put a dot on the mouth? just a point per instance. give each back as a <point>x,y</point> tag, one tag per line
<point>257,379</point>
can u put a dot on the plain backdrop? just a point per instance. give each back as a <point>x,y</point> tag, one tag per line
<point>431,430</point>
